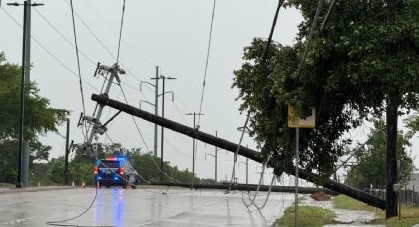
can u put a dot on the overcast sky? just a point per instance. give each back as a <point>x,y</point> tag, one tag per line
<point>170,34</point>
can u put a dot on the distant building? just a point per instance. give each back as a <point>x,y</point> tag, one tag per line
<point>414,182</point>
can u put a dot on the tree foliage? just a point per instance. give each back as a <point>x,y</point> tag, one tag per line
<point>81,168</point>
<point>371,159</point>
<point>363,59</point>
<point>39,119</point>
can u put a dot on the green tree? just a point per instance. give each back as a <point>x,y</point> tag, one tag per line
<point>361,64</point>
<point>371,159</point>
<point>8,160</point>
<point>40,118</point>
<point>81,168</point>
<point>148,167</point>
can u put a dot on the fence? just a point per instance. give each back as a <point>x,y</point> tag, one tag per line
<point>408,197</point>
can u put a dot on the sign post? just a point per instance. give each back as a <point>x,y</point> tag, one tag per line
<point>295,121</point>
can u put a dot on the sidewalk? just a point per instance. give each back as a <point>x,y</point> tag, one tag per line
<point>350,217</point>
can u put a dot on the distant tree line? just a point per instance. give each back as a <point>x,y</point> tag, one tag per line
<point>81,168</point>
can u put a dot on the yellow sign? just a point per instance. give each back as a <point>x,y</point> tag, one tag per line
<point>294,120</point>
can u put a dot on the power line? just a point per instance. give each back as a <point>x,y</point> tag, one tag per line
<point>133,47</point>
<point>47,51</point>
<point>180,113</point>
<point>176,149</point>
<point>135,122</point>
<point>107,50</point>
<point>264,64</point>
<point>62,36</point>
<point>142,138</point>
<point>91,31</point>
<point>327,14</point>
<point>206,63</point>
<point>120,32</point>
<point>101,43</point>
<point>310,37</point>
<point>78,58</point>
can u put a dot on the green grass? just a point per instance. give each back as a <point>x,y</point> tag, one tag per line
<point>307,216</point>
<point>409,214</point>
<point>345,202</point>
<point>7,185</point>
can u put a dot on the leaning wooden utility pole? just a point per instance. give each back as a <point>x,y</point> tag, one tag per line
<point>244,151</point>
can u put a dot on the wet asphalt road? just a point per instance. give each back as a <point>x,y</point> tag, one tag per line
<point>139,207</point>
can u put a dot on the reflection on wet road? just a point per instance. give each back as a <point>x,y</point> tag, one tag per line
<point>140,207</point>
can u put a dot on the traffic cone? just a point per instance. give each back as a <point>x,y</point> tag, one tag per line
<point>83,185</point>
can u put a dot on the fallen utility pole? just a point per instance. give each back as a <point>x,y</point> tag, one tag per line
<point>248,187</point>
<point>243,151</point>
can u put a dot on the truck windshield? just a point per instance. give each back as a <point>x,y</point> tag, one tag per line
<point>108,164</point>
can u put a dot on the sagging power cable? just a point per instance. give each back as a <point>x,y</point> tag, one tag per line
<point>62,35</point>
<point>48,51</point>
<point>264,65</point>
<point>233,175</point>
<point>206,63</point>
<point>59,223</point>
<point>327,14</point>
<point>143,140</point>
<point>120,32</point>
<point>78,58</point>
<point>359,149</point>
<point>101,43</point>
<point>310,37</point>
<point>252,201</point>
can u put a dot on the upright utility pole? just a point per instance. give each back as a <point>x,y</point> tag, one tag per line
<point>246,130</point>
<point>196,127</point>
<point>297,159</point>
<point>216,158</point>
<point>156,105</point>
<point>247,170</point>
<point>156,108</point>
<point>215,155</point>
<point>23,162</point>
<point>67,149</point>
<point>164,78</point>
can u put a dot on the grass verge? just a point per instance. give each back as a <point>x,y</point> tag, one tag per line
<point>307,216</point>
<point>409,214</point>
<point>7,185</point>
<point>345,202</point>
